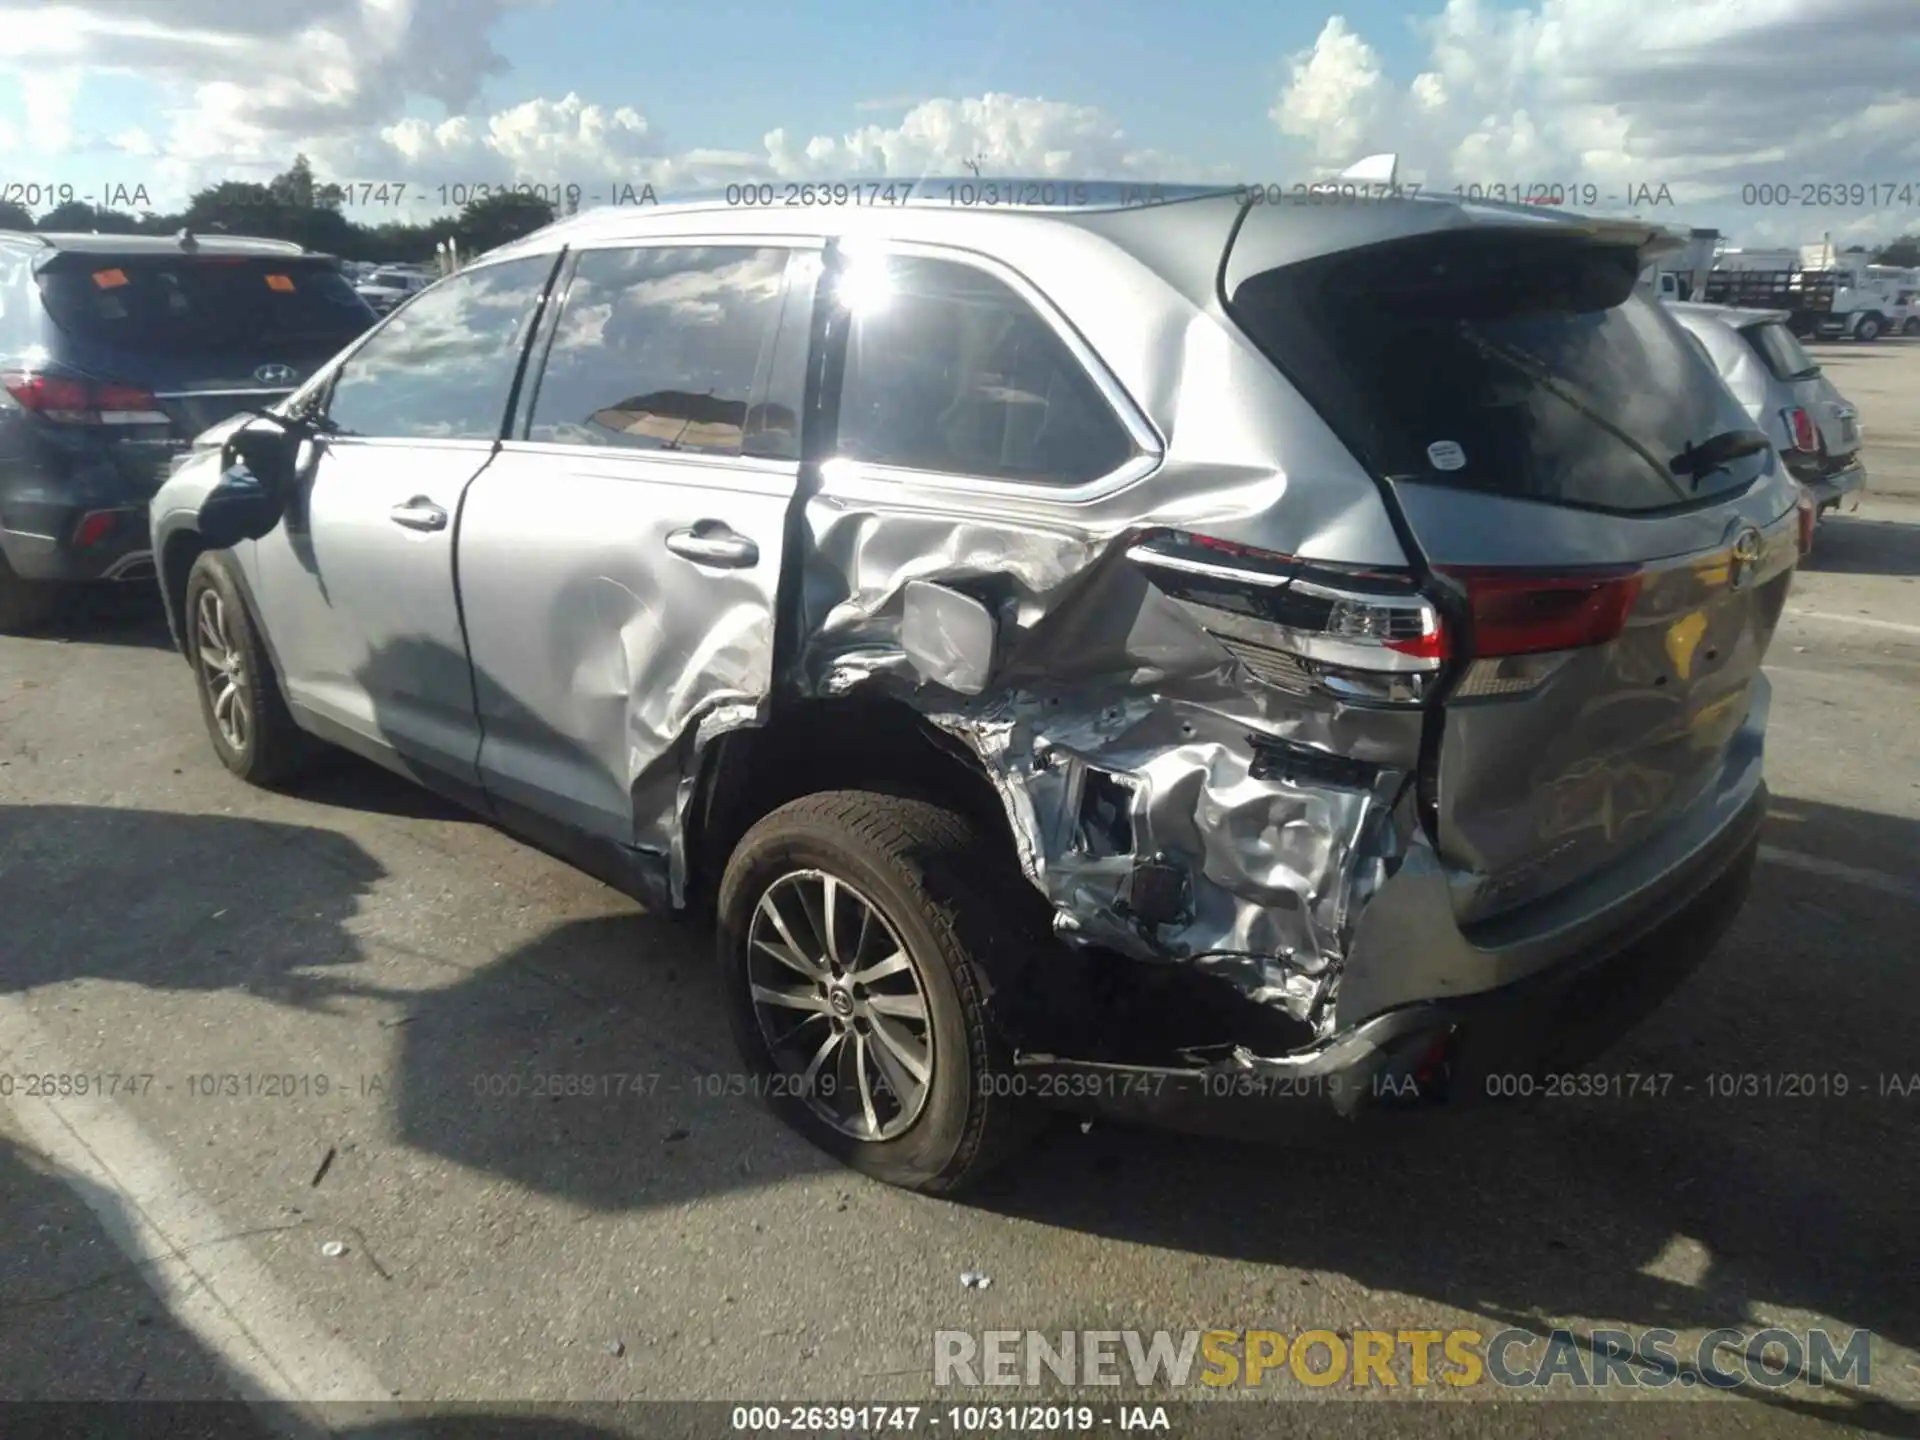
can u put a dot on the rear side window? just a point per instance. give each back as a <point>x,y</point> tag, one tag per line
<point>661,349</point>
<point>442,367</point>
<point>197,304</point>
<point>1526,367</point>
<point>1781,351</point>
<point>949,370</point>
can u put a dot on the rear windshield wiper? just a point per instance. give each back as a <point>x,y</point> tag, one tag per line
<point>1716,452</point>
<point>1541,375</point>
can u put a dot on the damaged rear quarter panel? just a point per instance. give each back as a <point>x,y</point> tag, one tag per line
<point>1099,680</point>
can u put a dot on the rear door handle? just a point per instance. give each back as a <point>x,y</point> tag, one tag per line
<point>710,542</point>
<point>419,513</point>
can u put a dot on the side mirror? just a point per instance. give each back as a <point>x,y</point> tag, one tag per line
<point>258,473</point>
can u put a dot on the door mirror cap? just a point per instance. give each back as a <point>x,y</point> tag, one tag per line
<point>258,467</point>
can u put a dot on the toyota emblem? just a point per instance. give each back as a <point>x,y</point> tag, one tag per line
<point>1747,549</point>
<point>276,375</point>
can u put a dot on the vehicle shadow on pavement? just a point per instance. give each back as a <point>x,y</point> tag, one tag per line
<point>178,902</point>
<point>77,1319</point>
<point>128,613</point>
<point>79,1322</point>
<point>653,1109</point>
<point>1707,1204</point>
<point>1849,545</point>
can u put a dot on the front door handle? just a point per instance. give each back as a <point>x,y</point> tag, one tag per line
<point>419,513</point>
<point>710,542</point>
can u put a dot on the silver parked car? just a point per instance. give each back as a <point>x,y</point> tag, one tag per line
<point>1193,660</point>
<point>1812,425</point>
<point>384,289</point>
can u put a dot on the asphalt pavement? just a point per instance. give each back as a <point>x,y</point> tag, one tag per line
<point>316,1156</point>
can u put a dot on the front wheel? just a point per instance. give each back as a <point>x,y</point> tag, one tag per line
<point>863,937</point>
<point>247,720</point>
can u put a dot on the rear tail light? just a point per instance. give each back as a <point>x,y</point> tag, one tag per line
<point>94,527</point>
<point>65,400</point>
<point>1362,635</point>
<point>1517,613</point>
<point>1800,426</point>
<point>1370,636</point>
<point>1522,627</point>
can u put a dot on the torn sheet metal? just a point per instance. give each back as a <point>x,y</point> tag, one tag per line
<point>1128,746</point>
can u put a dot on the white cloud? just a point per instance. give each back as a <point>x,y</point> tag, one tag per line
<point>1699,95</point>
<point>1703,96</point>
<point>1001,134</point>
<point>1336,95</point>
<point>252,75</point>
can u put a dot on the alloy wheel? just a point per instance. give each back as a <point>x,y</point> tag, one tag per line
<point>841,1005</point>
<point>223,672</point>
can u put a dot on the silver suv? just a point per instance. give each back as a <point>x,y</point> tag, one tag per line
<point>1200,660</point>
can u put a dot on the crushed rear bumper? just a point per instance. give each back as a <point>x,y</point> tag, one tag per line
<point>1441,1053</point>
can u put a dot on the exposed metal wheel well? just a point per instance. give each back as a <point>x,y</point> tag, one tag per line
<point>835,744</point>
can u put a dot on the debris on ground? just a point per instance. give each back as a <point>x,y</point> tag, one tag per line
<point>326,1164</point>
<point>974,1280</point>
<point>333,1249</point>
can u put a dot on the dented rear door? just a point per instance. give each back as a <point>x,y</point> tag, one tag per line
<point>619,560</point>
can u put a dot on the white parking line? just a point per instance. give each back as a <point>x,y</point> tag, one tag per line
<point>278,1357</point>
<point>1868,621</point>
<point>1834,870</point>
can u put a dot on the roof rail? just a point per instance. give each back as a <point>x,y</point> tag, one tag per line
<point>26,235</point>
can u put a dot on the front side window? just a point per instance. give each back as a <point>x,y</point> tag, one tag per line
<point>949,370</point>
<point>661,349</point>
<point>442,368</point>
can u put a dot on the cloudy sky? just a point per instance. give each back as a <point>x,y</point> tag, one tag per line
<point>1617,97</point>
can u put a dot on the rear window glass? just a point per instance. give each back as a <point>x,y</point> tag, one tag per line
<point>1782,351</point>
<point>204,303</point>
<point>1524,367</point>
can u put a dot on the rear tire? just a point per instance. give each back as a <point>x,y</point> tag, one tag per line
<point>944,899</point>
<point>246,716</point>
<point>25,605</point>
<point>1867,329</point>
<point>1912,326</point>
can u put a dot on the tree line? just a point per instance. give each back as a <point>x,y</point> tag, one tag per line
<point>292,206</point>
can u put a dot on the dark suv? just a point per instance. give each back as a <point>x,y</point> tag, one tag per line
<point>115,351</point>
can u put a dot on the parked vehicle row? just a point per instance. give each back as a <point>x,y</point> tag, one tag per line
<point>1820,294</point>
<point>384,287</point>
<point>115,351</point>
<point>1158,659</point>
<point>1815,429</point>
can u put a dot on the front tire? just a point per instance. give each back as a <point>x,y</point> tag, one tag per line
<point>862,938</point>
<point>246,716</point>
